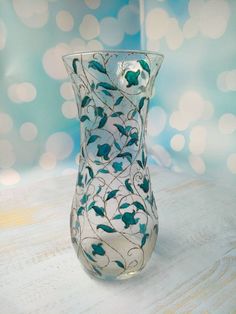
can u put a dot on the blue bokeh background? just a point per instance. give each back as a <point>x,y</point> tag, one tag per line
<point>192,120</point>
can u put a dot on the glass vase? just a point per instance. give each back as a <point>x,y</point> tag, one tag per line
<point>114,221</point>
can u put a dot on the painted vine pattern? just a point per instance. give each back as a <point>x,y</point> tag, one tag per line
<point>113,194</point>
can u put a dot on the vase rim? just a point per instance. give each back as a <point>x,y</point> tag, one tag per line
<point>148,52</point>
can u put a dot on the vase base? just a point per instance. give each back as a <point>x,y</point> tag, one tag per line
<point>124,276</point>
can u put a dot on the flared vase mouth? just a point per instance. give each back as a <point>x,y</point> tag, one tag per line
<point>119,51</point>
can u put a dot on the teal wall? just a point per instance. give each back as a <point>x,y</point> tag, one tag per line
<point>192,120</point>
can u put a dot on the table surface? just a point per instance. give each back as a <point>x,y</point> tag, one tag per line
<point>192,270</point>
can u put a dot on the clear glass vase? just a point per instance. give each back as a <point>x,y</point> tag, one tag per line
<point>114,221</point>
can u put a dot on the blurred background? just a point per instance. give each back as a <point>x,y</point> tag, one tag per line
<point>192,117</point>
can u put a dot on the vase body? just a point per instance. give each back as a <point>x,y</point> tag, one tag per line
<point>114,221</point>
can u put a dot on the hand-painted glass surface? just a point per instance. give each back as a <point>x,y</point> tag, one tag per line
<point>114,220</point>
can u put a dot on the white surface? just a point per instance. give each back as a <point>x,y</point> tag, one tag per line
<point>193,269</point>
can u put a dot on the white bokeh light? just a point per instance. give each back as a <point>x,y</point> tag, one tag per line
<point>52,61</point>
<point>226,81</point>
<point>22,92</point>
<point>7,155</point>
<point>111,32</point>
<point>174,35</point>
<point>227,123</point>
<point>28,131</point>
<point>89,27</point>
<point>32,13</point>
<point>66,91</point>
<point>192,105</point>
<point>156,121</point>
<point>3,34</point>
<point>60,144</point>
<point>231,163</point>
<point>178,120</point>
<point>157,21</point>
<point>9,177</point>
<point>208,110</point>
<point>78,44</point>
<point>64,21</point>
<point>198,140</point>
<point>177,142</point>
<point>92,4</point>
<point>210,17</point>
<point>6,123</point>
<point>127,14</point>
<point>47,161</point>
<point>69,109</point>
<point>197,164</point>
<point>94,44</point>
<point>190,28</point>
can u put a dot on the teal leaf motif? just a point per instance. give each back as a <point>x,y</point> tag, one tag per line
<point>84,118</point>
<point>84,199</point>
<point>145,185</point>
<point>119,216</point>
<point>117,114</point>
<point>128,186</point>
<point>106,228</point>
<point>103,151</point>
<point>126,155</point>
<point>134,113</point>
<point>144,65</point>
<point>142,228</point>
<point>140,163</point>
<point>144,159</point>
<point>132,141</point>
<point>117,166</point>
<point>156,228</point>
<point>118,100</point>
<point>105,92</point>
<point>92,86</point>
<point>117,145</point>
<point>97,66</point>
<point>120,264</point>
<point>85,101</point>
<point>99,111</point>
<point>90,170</point>
<point>92,139</point>
<point>97,162</point>
<point>98,249</point>
<point>80,210</point>
<point>82,151</point>
<point>138,205</point>
<point>106,86</point>
<point>128,128</point>
<point>102,121</point>
<point>121,129</point>
<point>111,194</point>
<point>74,64</point>
<point>99,189</point>
<point>132,77</point>
<point>99,210</point>
<point>141,103</point>
<point>103,170</point>
<point>124,205</point>
<point>144,239</point>
<point>89,257</point>
<point>128,219</point>
<point>96,270</point>
<point>80,180</point>
<point>91,205</point>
